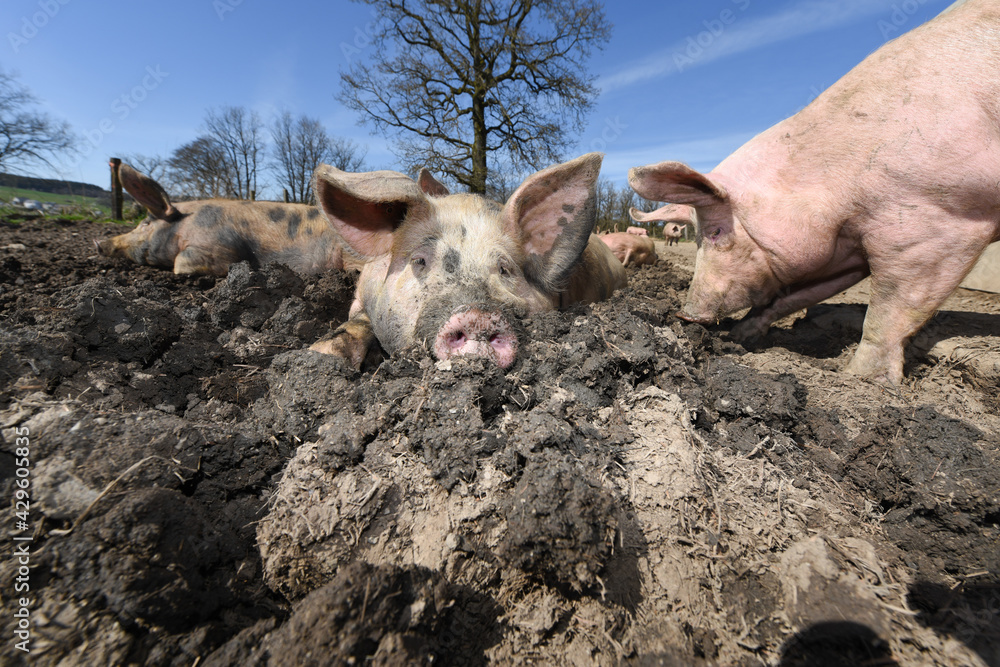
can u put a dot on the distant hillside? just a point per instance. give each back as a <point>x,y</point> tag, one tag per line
<point>52,186</point>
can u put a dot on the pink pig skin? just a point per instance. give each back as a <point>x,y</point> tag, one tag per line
<point>893,172</point>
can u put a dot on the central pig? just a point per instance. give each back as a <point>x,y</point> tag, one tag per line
<point>458,272</point>
<point>893,172</point>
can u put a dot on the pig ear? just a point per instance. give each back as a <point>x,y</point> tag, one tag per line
<point>553,213</point>
<point>430,185</point>
<point>148,192</point>
<point>366,208</point>
<point>678,213</point>
<point>677,183</point>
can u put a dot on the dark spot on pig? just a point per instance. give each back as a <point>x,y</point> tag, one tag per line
<point>568,208</point>
<point>208,216</point>
<point>562,222</point>
<point>294,220</point>
<point>451,261</point>
<point>276,214</point>
<point>312,214</point>
<point>464,232</point>
<point>241,247</point>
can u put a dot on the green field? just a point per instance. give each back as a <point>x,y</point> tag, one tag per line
<point>6,194</point>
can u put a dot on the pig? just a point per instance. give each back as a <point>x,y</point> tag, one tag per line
<point>893,172</point>
<point>205,237</point>
<point>631,249</point>
<point>673,217</point>
<point>638,231</point>
<point>457,272</point>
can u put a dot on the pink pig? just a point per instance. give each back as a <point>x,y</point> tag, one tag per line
<point>893,172</point>
<point>457,273</point>
<point>630,248</point>
<point>673,216</point>
<point>638,231</point>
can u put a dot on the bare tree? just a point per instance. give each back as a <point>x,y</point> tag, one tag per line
<point>238,133</point>
<point>27,136</point>
<point>346,155</point>
<point>154,166</point>
<point>199,169</point>
<point>461,83</point>
<point>607,195</point>
<point>299,145</point>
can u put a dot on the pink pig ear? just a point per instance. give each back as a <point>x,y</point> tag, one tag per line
<point>671,213</point>
<point>366,208</point>
<point>677,183</point>
<point>430,185</point>
<point>148,192</point>
<point>553,213</point>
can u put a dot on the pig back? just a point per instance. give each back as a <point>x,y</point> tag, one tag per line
<point>596,277</point>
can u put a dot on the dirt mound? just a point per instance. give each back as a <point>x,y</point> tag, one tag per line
<point>633,490</point>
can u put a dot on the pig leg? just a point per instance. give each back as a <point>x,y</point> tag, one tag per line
<point>907,290</point>
<point>756,323</point>
<point>352,341</point>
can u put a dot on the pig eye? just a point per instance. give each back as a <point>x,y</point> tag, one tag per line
<point>715,233</point>
<point>505,269</point>
<point>418,263</point>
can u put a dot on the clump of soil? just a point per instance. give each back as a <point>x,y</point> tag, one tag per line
<point>633,490</point>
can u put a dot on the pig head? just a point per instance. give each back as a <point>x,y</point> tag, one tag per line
<point>891,172</point>
<point>207,236</point>
<point>458,272</point>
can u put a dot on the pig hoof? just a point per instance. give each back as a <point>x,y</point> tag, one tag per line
<point>477,333</point>
<point>353,341</point>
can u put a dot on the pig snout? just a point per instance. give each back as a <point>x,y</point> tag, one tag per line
<point>479,333</point>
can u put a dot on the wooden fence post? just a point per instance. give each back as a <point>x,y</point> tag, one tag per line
<point>253,195</point>
<point>116,188</point>
<point>285,190</point>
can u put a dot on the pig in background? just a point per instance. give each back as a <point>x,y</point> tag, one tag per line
<point>458,272</point>
<point>631,249</point>
<point>893,172</point>
<point>673,217</point>
<point>206,236</point>
<point>637,231</point>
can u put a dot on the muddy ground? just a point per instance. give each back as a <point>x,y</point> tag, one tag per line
<point>633,490</point>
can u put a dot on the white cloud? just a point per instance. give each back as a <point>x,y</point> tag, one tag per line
<point>742,34</point>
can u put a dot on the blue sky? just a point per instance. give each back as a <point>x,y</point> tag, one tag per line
<point>688,81</point>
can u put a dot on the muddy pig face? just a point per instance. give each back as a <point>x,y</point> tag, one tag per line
<point>458,272</point>
<point>152,242</point>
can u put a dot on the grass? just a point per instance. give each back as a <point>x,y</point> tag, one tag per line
<point>6,194</point>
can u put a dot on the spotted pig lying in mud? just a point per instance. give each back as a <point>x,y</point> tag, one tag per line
<point>206,236</point>
<point>892,172</point>
<point>457,272</point>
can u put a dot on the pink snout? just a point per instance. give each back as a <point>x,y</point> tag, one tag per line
<point>477,333</point>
